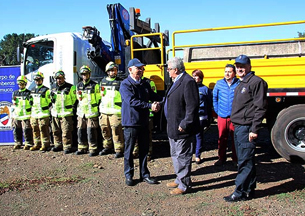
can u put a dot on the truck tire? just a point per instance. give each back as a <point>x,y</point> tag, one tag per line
<point>288,134</point>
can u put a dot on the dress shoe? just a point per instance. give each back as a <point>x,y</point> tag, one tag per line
<point>105,151</point>
<point>118,155</point>
<point>67,151</point>
<point>56,149</point>
<point>233,198</point>
<point>150,180</point>
<point>249,196</point>
<point>219,163</point>
<point>177,191</point>
<point>129,181</point>
<point>172,185</point>
<point>92,154</point>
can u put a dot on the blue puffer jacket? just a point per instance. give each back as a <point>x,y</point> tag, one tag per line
<point>223,95</point>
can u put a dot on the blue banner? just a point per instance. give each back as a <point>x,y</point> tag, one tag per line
<point>8,84</point>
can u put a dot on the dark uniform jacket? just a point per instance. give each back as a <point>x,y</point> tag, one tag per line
<point>136,103</point>
<point>250,102</point>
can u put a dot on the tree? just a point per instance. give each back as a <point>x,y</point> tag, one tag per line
<point>301,34</point>
<point>8,47</point>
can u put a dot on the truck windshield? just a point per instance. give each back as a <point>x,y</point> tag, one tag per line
<point>38,54</point>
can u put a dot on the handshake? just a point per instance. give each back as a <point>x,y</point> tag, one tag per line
<point>155,106</point>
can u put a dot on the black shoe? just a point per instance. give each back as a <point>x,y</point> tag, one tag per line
<point>233,198</point>
<point>105,151</point>
<point>129,181</point>
<point>119,155</point>
<point>92,154</point>
<point>56,149</point>
<point>68,151</point>
<point>80,152</point>
<point>150,180</point>
<point>249,196</point>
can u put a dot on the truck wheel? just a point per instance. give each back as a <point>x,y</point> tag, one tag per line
<point>288,134</point>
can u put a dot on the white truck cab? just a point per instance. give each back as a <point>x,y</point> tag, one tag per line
<point>51,53</point>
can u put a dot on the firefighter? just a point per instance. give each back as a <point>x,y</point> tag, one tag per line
<point>22,102</point>
<point>110,109</point>
<point>151,123</point>
<point>40,117</point>
<point>63,97</point>
<point>88,95</point>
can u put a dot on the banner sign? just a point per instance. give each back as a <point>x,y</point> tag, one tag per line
<point>8,84</point>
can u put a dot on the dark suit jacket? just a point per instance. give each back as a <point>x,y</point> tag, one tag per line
<point>182,108</point>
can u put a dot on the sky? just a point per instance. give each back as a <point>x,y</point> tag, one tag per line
<point>47,17</point>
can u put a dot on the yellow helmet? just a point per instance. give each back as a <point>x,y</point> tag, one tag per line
<point>59,73</point>
<point>22,78</point>
<point>38,75</point>
<point>84,69</point>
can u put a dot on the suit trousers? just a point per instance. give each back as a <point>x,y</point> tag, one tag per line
<point>131,135</point>
<point>245,181</point>
<point>181,153</point>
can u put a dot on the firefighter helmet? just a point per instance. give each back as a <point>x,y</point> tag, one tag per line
<point>110,66</point>
<point>22,78</point>
<point>84,69</point>
<point>59,73</point>
<point>38,75</point>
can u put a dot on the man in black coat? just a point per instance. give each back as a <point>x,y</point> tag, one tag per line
<point>181,106</point>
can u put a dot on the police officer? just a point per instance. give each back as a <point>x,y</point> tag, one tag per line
<point>63,97</point>
<point>110,109</point>
<point>40,117</point>
<point>151,122</point>
<point>22,102</point>
<point>88,95</point>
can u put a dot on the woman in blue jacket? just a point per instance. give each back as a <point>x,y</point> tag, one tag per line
<point>205,111</point>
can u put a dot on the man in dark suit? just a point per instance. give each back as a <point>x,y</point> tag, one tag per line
<point>181,111</point>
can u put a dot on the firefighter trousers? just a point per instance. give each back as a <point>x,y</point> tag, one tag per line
<point>87,134</point>
<point>112,132</point>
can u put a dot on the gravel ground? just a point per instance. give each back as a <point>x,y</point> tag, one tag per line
<point>35,183</point>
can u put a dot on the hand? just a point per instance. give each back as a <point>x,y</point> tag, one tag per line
<point>180,129</point>
<point>252,136</point>
<point>155,106</point>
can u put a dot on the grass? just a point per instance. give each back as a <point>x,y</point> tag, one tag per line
<point>291,197</point>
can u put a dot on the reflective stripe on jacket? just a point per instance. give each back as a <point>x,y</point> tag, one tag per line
<point>41,102</point>
<point>22,101</point>
<point>88,95</point>
<point>111,101</point>
<point>63,99</point>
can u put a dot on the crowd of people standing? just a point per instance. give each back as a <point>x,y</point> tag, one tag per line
<point>122,109</point>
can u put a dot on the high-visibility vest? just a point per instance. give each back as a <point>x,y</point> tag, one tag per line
<point>111,101</point>
<point>89,97</point>
<point>22,101</point>
<point>41,102</point>
<point>63,99</point>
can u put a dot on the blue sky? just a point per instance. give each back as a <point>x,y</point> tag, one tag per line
<point>46,17</point>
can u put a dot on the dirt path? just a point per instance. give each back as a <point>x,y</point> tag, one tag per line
<point>35,183</point>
